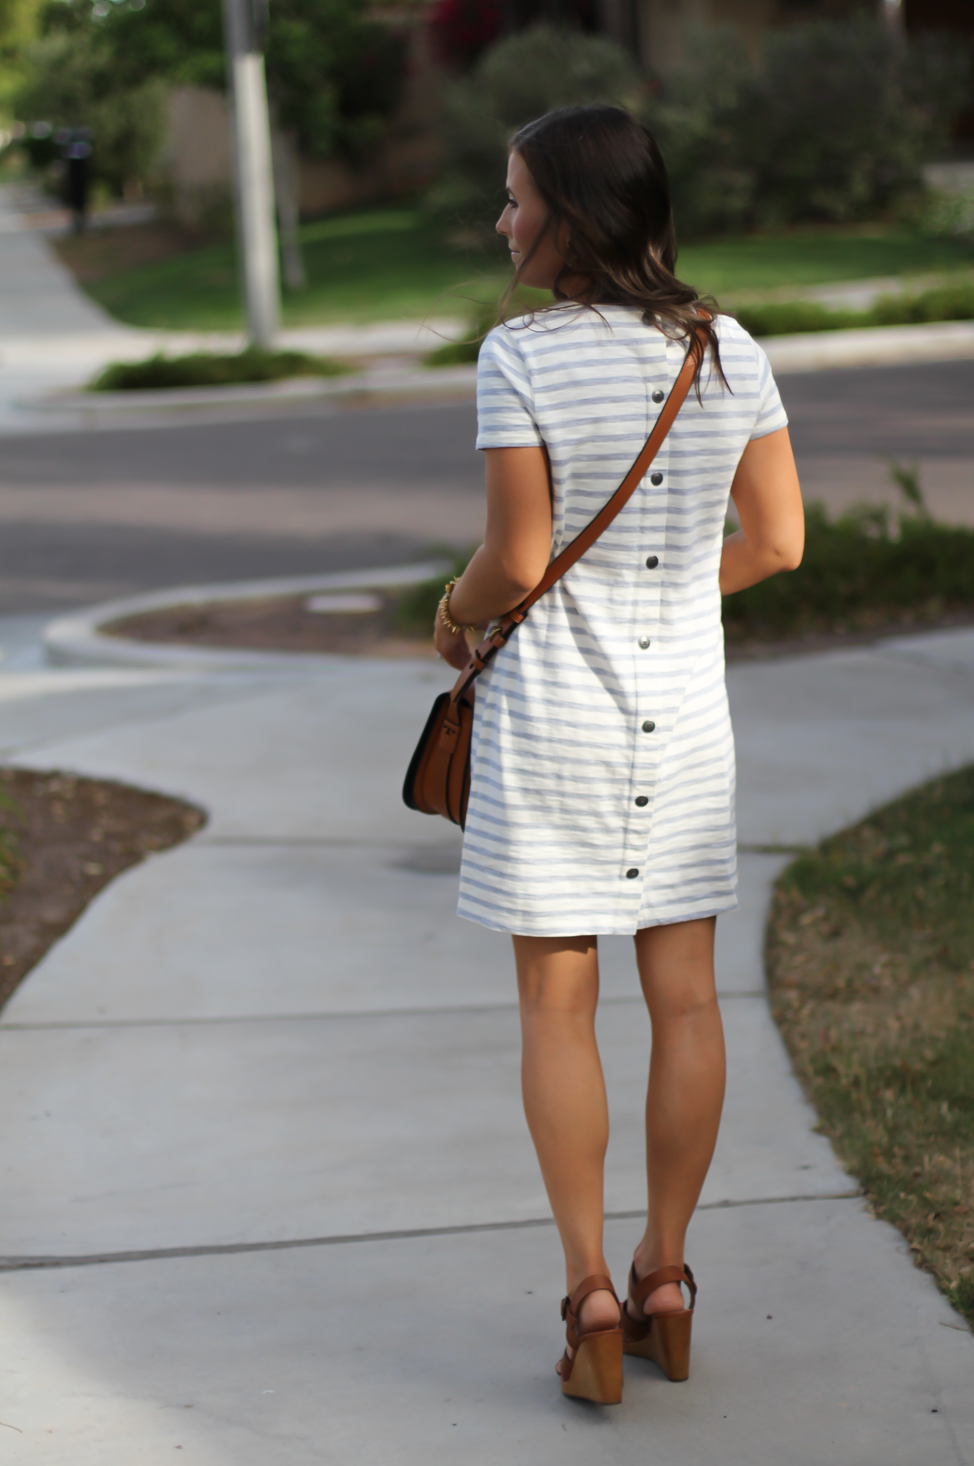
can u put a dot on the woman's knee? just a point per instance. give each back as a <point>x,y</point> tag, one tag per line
<point>557,976</point>
<point>691,1005</point>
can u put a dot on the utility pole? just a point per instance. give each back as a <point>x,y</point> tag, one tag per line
<point>245,23</point>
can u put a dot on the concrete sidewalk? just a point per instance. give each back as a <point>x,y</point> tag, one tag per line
<point>268,1193</point>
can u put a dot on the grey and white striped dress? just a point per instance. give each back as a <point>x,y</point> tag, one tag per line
<point>602,790</point>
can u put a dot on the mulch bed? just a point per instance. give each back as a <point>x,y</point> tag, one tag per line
<point>100,254</point>
<point>62,839</point>
<point>284,624</point>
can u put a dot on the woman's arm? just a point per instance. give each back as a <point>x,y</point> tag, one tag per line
<point>515,551</point>
<point>768,500</point>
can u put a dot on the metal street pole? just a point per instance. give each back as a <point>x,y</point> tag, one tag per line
<point>256,228</point>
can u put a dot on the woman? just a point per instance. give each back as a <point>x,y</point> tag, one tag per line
<point>602,790</point>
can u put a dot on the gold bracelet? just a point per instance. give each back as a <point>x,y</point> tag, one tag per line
<point>444,611</point>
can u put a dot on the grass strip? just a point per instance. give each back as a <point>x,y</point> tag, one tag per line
<point>954,302</point>
<point>870,960</point>
<point>214,369</point>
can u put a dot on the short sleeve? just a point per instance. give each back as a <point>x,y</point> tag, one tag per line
<point>771,413</point>
<point>505,400</point>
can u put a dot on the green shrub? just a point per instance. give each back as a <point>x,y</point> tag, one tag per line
<point>834,122</point>
<point>209,369</point>
<point>69,82</point>
<point>517,80</point>
<point>950,214</point>
<point>335,73</point>
<point>788,316</point>
<point>856,573</point>
<point>944,303</point>
<point>695,117</point>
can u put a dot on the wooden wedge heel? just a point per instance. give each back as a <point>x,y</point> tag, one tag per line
<point>594,1370</point>
<point>662,1337</point>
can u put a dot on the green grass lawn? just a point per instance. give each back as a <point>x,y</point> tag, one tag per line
<point>384,265</point>
<point>392,264</point>
<point>870,956</point>
<point>816,257</point>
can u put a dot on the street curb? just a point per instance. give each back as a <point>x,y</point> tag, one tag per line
<point>78,641</point>
<point>362,388</point>
<point>801,352</point>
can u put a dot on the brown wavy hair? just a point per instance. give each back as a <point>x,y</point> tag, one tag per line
<point>603,179</point>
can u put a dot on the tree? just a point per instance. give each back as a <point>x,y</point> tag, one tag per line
<point>69,81</point>
<point>520,78</point>
<point>333,75</point>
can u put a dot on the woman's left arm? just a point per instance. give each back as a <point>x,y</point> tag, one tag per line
<point>768,500</point>
<point>515,551</point>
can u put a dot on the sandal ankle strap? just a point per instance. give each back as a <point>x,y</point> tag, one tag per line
<point>642,1287</point>
<point>596,1283</point>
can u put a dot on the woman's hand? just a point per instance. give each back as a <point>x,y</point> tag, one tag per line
<point>451,645</point>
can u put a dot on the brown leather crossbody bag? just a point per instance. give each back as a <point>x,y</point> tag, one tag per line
<point>438,778</point>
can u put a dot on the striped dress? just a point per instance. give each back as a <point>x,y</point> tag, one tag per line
<point>602,787</point>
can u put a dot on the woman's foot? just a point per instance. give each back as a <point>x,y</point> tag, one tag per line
<point>654,1324</point>
<point>599,1310</point>
<point>668,1298</point>
<point>591,1366</point>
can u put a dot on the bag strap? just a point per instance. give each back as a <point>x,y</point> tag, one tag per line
<point>583,541</point>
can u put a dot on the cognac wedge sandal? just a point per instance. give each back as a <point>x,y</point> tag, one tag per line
<point>594,1371</point>
<point>662,1337</point>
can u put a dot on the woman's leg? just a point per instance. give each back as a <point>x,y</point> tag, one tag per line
<point>686,1088</point>
<point>564,1099</point>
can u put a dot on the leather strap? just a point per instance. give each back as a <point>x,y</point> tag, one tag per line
<point>640,1288</point>
<point>596,1283</point>
<point>572,553</point>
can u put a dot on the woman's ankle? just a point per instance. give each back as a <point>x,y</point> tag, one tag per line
<point>647,1258</point>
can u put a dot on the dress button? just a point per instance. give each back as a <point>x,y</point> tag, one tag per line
<point>656,478</point>
<point>652,562</point>
<point>658,395</point>
<point>631,873</point>
<point>648,726</point>
<point>641,801</point>
<point>644,642</point>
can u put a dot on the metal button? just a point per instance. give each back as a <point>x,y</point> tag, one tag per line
<point>631,873</point>
<point>644,642</point>
<point>658,395</point>
<point>641,801</point>
<point>648,726</point>
<point>652,562</point>
<point>656,478</point>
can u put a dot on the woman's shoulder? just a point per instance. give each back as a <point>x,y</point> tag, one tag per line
<point>734,339</point>
<point>744,360</point>
<point>559,327</point>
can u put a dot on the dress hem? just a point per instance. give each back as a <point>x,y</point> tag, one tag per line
<point>713,909</point>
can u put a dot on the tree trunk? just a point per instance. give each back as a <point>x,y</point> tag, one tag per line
<point>286,188</point>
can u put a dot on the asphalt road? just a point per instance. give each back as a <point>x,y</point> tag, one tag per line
<point>89,515</point>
